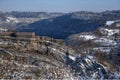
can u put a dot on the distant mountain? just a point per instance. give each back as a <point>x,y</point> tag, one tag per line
<point>13,20</point>
<point>70,23</point>
<point>56,25</point>
<point>34,14</point>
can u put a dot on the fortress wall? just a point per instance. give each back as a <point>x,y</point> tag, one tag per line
<point>18,34</point>
<point>25,34</point>
<point>5,33</point>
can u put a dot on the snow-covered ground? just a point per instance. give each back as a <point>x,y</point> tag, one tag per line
<point>108,31</point>
<point>3,29</point>
<point>87,37</point>
<point>111,31</point>
<point>29,20</point>
<point>102,49</point>
<point>105,41</point>
<point>118,25</point>
<point>12,19</point>
<point>19,20</point>
<point>109,23</point>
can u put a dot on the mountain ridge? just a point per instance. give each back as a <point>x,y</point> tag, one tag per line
<point>70,23</point>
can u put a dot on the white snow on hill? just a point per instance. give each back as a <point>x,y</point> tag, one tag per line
<point>109,23</point>
<point>102,49</point>
<point>108,31</point>
<point>105,41</point>
<point>12,19</point>
<point>3,29</point>
<point>87,37</point>
<point>112,31</point>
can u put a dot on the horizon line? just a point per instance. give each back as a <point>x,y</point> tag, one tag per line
<point>61,11</point>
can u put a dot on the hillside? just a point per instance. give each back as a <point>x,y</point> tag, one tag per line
<point>77,45</point>
<point>71,23</point>
<point>56,25</point>
<point>14,19</point>
<point>103,43</point>
<point>27,56</point>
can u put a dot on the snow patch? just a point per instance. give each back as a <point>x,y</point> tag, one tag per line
<point>112,31</point>
<point>102,49</point>
<point>71,57</point>
<point>118,25</point>
<point>3,29</point>
<point>108,31</point>
<point>87,37</point>
<point>105,41</point>
<point>13,20</point>
<point>109,23</point>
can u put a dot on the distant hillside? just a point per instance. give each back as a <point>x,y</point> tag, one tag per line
<point>71,23</point>
<point>101,37</point>
<point>13,20</point>
<point>56,25</point>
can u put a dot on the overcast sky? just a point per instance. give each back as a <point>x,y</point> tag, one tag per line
<point>59,5</point>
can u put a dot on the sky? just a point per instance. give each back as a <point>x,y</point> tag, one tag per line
<point>59,5</point>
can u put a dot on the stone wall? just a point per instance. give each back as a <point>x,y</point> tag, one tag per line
<point>18,34</point>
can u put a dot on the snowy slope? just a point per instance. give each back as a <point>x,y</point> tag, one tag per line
<point>109,23</point>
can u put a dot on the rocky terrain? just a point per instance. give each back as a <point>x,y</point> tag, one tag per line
<point>35,58</point>
<point>103,43</point>
<point>106,36</point>
<point>47,58</point>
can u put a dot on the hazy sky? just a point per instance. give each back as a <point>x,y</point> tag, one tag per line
<point>59,5</point>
